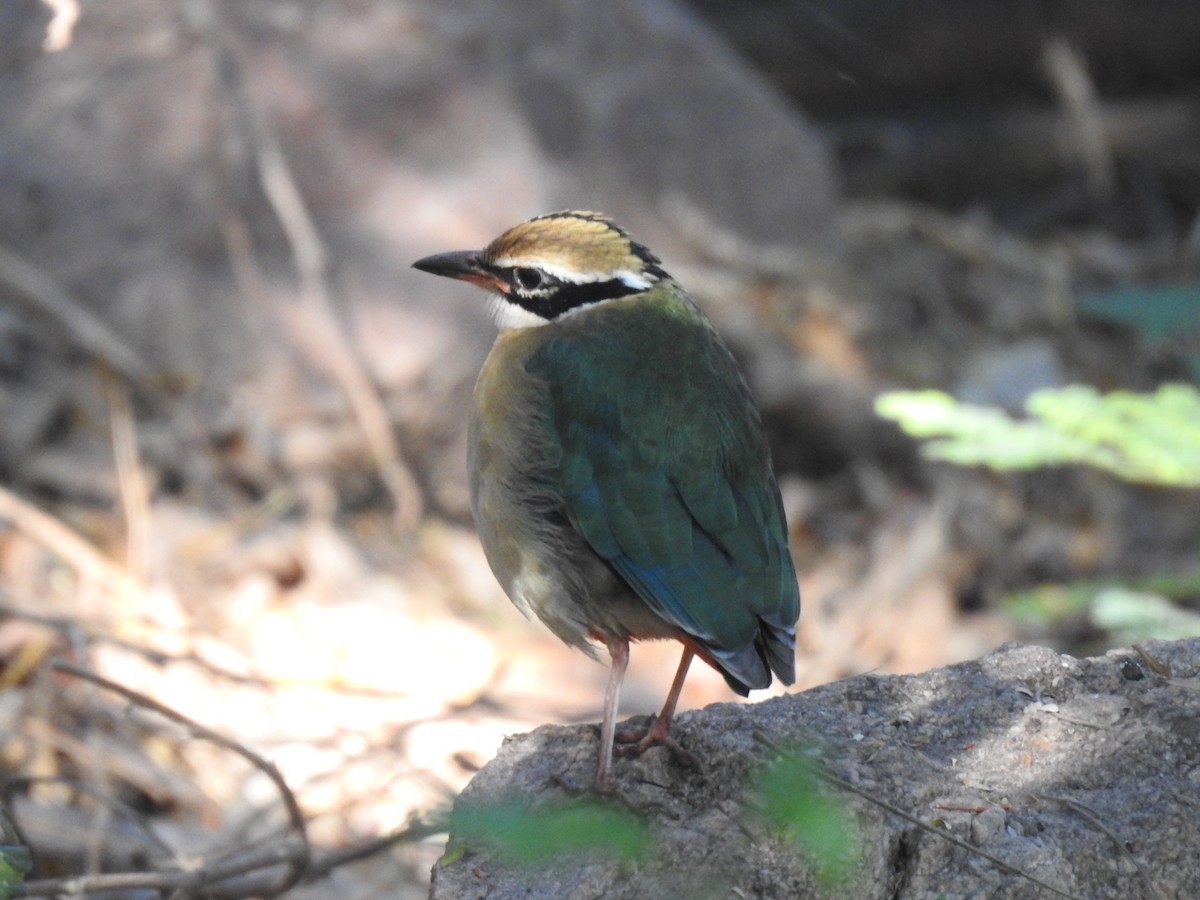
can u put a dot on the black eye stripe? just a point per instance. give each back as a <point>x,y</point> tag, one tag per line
<point>562,297</point>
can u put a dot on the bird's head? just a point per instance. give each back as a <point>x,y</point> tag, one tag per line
<point>552,266</point>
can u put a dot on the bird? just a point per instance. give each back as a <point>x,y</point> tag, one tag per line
<point>620,478</point>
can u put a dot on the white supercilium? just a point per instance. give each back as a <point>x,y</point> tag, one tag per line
<point>636,280</point>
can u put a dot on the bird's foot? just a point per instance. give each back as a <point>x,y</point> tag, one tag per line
<point>634,732</point>
<point>636,741</point>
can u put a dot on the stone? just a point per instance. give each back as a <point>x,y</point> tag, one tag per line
<point>1067,769</point>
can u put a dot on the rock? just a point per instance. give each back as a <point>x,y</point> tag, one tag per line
<point>1080,772</point>
<point>639,105</point>
<point>407,128</point>
<point>1006,375</point>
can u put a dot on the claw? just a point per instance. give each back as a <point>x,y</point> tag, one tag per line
<point>634,742</point>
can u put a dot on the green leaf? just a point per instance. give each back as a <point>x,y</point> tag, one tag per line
<point>1157,311</point>
<point>14,863</point>
<point>529,836</point>
<point>792,804</point>
<point>1045,606</point>
<point>452,856</point>
<point>1144,438</point>
<point>1135,616</point>
<point>1133,610</point>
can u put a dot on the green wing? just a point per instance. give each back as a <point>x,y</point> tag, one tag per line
<point>665,472</point>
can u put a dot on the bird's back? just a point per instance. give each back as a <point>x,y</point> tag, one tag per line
<point>623,487</point>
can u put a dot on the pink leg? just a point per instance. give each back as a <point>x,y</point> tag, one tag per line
<point>619,651</point>
<point>668,710</point>
<point>637,742</point>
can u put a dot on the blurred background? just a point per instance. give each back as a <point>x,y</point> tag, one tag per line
<point>232,417</point>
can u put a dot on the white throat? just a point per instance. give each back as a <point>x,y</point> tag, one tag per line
<point>508,315</point>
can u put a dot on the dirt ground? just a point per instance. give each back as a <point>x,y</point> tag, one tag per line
<point>232,451</point>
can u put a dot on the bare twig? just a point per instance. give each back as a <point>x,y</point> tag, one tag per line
<point>976,243</point>
<point>88,562</point>
<point>1157,666</point>
<point>295,816</point>
<point>39,293</point>
<point>60,29</point>
<point>1021,143</point>
<point>202,880</point>
<point>131,479</point>
<point>1077,93</point>
<point>410,833</point>
<point>294,854</point>
<point>130,768</point>
<point>9,787</point>
<point>824,773</point>
<point>90,631</point>
<point>317,328</point>
<point>735,251</point>
<point>322,333</point>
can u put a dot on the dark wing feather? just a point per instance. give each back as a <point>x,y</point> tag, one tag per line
<point>665,473</point>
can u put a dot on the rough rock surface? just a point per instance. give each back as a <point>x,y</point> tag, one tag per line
<point>697,144</point>
<point>1082,772</point>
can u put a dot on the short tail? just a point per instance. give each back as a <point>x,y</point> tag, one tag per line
<point>749,668</point>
